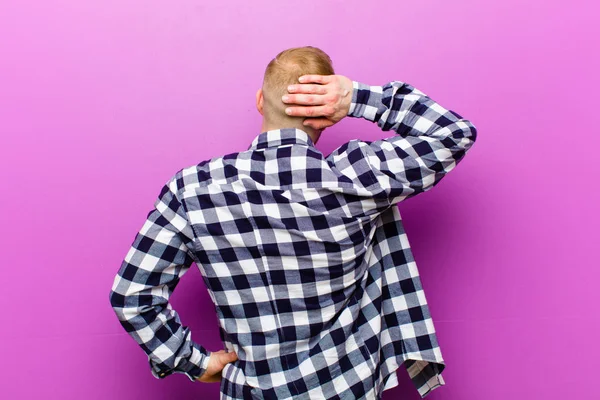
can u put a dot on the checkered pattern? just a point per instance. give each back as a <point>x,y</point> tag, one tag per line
<point>304,256</point>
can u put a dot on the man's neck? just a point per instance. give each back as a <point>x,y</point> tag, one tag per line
<point>268,126</point>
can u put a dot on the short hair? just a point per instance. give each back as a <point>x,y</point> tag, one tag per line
<point>286,68</point>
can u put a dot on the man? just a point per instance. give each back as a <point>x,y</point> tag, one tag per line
<point>303,255</point>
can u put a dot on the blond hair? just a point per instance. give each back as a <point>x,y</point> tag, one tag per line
<point>285,69</point>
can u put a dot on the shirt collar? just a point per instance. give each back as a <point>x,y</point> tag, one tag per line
<point>280,137</point>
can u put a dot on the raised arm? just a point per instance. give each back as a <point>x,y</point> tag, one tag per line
<point>157,259</point>
<point>429,142</point>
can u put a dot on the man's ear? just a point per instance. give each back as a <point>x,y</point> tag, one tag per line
<point>260,101</point>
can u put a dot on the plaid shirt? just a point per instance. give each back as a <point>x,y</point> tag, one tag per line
<point>304,256</point>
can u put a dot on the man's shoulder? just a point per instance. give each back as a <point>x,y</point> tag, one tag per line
<point>207,170</point>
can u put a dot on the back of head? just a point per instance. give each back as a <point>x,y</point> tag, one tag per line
<point>284,70</point>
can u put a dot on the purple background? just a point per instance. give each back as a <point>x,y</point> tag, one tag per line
<point>102,101</point>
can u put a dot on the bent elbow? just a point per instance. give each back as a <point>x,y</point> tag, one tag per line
<point>470,131</point>
<point>117,302</point>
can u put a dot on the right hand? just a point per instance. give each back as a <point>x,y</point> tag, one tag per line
<point>324,99</point>
<point>216,363</point>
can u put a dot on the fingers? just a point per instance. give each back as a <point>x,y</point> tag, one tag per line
<point>304,99</point>
<point>307,89</point>
<point>316,111</point>
<point>322,79</point>
<point>227,357</point>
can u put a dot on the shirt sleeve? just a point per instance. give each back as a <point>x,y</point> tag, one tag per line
<point>157,259</point>
<point>429,142</point>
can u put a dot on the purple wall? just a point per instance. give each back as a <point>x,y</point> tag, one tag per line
<point>101,102</point>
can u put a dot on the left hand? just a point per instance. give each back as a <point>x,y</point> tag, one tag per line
<point>216,363</point>
<point>324,99</point>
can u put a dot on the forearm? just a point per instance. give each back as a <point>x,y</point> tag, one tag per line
<point>402,108</point>
<point>149,319</point>
<point>158,258</point>
<point>430,140</point>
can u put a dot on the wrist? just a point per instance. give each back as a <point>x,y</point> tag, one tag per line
<point>365,100</point>
<point>359,97</point>
<point>195,366</point>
